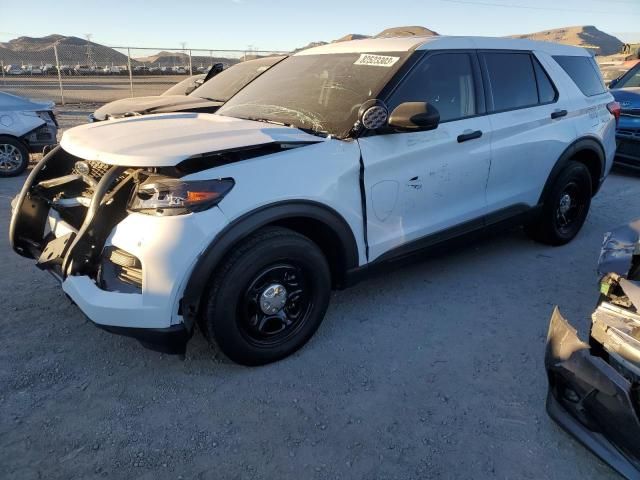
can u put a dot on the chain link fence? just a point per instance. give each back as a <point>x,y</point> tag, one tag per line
<point>92,73</point>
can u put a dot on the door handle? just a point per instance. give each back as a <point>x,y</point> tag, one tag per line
<point>469,136</point>
<point>558,114</point>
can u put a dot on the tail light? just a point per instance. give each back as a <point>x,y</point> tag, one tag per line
<point>614,108</point>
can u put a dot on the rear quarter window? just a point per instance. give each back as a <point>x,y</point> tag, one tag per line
<point>584,73</point>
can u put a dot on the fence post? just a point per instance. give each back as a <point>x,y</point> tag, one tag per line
<point>2,67</point>
<point>55,52</point>
<point>130,72</point>
<point>190,66</point>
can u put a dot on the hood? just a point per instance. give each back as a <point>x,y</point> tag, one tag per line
<point>155,104</point>
<point>13,103</point>
<point>624,95</point>
<point>165,140</point>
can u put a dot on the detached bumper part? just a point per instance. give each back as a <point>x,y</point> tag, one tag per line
<point>590,394</point>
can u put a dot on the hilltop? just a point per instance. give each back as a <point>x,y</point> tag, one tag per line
<point>586,36</point>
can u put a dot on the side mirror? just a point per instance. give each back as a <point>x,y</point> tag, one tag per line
<point>614,82</point>
<point>414,117</point>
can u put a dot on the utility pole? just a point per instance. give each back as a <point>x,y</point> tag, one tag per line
<point>184,47</point>
<point>88,36</point>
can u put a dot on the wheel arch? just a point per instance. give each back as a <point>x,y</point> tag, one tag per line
<point>586,150</point>
<point>320,223</point>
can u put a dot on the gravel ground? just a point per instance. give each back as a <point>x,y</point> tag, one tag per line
<point>431,371</point>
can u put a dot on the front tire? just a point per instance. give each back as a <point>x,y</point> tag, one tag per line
<point>268,297</point>
<point>14,157</point>
<point>565,207</point>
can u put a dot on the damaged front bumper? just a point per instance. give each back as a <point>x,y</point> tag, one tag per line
<point>125,271</point>
<point>594,387</point>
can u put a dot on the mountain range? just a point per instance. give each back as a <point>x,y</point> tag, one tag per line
<point>74,50</point>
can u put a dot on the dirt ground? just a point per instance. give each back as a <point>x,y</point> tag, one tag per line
<point>431,371</point>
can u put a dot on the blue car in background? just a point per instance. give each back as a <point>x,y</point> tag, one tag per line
<point>626,91</point>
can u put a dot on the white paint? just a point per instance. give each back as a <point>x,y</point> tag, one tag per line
<point>169,138</point>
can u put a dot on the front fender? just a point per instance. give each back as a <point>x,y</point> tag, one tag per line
<point>244,226</point>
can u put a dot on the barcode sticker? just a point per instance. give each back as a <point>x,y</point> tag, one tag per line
<point>376,60</point>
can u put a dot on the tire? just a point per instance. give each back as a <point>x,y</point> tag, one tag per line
<point>565,207</point>
<point>14,156</point>
<point>234,314</point>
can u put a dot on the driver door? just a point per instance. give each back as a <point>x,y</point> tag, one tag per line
<point>424,186</point>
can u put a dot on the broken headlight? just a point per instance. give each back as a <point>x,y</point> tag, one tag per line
<point>158,195</point>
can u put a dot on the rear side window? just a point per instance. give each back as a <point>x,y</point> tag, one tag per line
<point>512,80</point>
<point>584,72</point>
<point>443,80</point>
<point>546,91</point>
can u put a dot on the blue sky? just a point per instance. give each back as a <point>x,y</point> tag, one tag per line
<point>287,24</point>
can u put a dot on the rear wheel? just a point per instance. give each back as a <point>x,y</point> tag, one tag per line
<point>14,157</point>
<point>565,207</point>
<point>268,297</point>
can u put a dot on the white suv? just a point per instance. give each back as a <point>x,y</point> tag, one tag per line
<point>337,160</point>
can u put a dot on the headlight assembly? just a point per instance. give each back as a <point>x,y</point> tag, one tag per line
<point>159,195</point>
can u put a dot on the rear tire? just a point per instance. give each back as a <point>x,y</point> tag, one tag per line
<point>565,207</point>
<point>268,297</point>
<point>14,156</point>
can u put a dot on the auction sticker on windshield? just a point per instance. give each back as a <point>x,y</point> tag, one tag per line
<point>376,60</point>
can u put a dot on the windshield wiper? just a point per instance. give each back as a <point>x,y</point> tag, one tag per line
<point>311,131</point>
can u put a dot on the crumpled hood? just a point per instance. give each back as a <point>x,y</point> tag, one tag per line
<point>167,139</point>
<point>155,104</point>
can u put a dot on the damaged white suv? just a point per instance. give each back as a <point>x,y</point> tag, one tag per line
<point>337,160</point>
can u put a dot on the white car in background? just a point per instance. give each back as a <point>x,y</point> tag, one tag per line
<point>333,163</point>
<point>26,126</point>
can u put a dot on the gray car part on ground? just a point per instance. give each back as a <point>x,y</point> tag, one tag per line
<point>594,388</point>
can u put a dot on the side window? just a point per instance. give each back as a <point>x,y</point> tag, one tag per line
<point>584,72</point>
<point>546,91</point>
<point>512,80</point>
<point>445,80</point>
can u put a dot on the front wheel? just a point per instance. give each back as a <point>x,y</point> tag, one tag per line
<point>565,207</point>
<point>268,297</point>
<point>14,157</point>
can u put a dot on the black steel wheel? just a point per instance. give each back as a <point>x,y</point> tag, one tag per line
<point>268,297</point>
<point>565,207</point>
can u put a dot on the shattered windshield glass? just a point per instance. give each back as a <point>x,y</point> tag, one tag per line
<point>317,93</point>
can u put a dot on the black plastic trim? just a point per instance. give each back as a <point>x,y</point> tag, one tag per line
<point>171,340</point>
<point>584,143</point>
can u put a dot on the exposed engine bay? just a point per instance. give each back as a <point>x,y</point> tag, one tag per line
<point>69,206</point>
<point>594,387</point>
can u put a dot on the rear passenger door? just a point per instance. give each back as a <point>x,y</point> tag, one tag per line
<point>529,126</point>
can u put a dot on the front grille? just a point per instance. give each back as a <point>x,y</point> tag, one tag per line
<point>44,134</point>
<point>97,169</point>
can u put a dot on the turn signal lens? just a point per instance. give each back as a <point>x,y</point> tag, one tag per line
<point>159,195</point>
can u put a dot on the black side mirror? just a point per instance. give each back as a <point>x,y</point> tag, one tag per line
<point>614,82</point>
<point>414,117</point>
<point>213,71</point>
